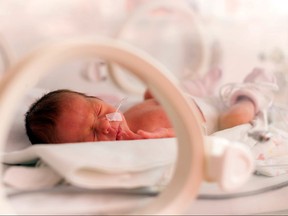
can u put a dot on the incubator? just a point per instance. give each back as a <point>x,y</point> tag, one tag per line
<point>172,48</point>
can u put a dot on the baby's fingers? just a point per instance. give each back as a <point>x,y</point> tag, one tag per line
<point>159,133</point>
<point>145,134</point>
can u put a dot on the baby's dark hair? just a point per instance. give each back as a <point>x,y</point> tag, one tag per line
<point>41,118</point>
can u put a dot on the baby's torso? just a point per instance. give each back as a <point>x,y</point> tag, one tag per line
<point>148,116</point>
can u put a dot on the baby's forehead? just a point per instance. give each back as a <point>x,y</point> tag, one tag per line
<point>68,100</point>
<point>81,95</point>
<point>72,98</point>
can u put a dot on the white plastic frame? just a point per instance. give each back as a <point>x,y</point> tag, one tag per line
<point>5,53</point>
<point>188,175</point>
<point>180,7</point>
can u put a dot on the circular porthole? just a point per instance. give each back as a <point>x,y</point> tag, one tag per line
<point>174,34</point>
<point>187,177</point>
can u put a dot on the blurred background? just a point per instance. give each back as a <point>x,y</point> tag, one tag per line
<point>238,34</point>
<point>189,37</point>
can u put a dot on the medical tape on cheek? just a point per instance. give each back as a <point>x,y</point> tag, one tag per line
<point>116,116</point>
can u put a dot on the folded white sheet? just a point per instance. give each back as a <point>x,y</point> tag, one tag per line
<point>124,164</point>
<point>31,178</point>
<point>127,164</point>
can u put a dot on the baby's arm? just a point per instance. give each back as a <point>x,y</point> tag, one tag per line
<point>240,113</point>
<point>158,133</point>
<point>141,134</point>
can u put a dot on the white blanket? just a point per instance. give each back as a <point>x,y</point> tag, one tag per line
<point>125,164</point>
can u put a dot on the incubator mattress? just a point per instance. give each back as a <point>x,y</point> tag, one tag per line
<point>259,195</point>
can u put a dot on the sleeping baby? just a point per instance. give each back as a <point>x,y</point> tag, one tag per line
<point>65,116</point>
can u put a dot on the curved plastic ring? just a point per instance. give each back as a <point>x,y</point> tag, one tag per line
<point>5,53</point>
<point>183,8</point>
<point>186,180</point>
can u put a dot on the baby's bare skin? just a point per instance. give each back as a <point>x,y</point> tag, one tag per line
<point>84,119</point>
<point>148,116</point>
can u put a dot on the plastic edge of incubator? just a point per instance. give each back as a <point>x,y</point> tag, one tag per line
<point>188,174</point>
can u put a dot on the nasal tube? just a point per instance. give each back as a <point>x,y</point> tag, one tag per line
<point>116,116</point>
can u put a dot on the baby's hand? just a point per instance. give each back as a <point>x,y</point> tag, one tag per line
<point>129,135</point>
<point>158,133</point>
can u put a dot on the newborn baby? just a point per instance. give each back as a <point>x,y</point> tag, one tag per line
<point>65,116</point>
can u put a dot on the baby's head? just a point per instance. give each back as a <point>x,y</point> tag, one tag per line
<point>42,116</point>
<point>65,116</point>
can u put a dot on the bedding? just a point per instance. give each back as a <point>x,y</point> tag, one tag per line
<point>98,165</point>
<point>259,195</point>
<point>127,164</point>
